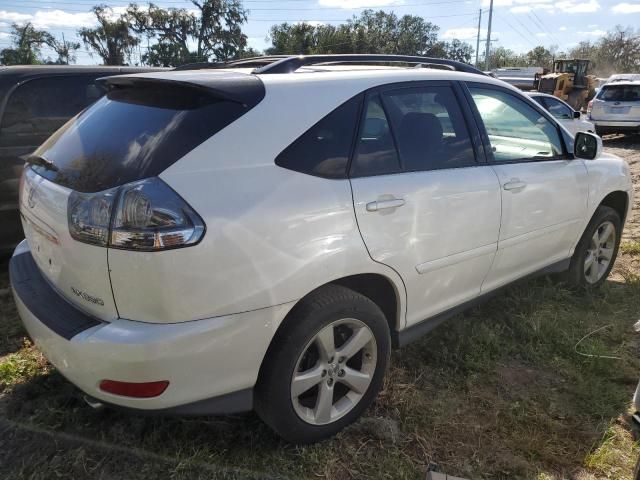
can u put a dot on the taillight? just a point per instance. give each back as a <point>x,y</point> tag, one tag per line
<point>589,107</point>
<point>146,215</point>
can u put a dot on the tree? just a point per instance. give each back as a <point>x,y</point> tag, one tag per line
<point>539,57</point>
<point>27,42</point>
<point>215,29</point>
<point>620,50</point>
<point>371,32</point>
<point>617,52</point>
<point>66,51</point>
<point>249,52</point>
<point>457,50</point>
<point>112,39</point>
<point>504,57</point>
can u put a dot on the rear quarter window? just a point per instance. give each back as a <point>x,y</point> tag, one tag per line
<point>325,148</point>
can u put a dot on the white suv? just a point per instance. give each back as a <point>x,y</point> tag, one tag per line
<point>616,108</point>
<point>211,241</point>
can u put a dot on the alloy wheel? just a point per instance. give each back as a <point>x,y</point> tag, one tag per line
<point>334,371</point>
<point>600,252</point>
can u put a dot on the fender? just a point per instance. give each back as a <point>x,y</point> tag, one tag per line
<point>607,174</point>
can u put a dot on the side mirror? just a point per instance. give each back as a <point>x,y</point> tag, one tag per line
<point>587,146</point>
<point>577,114</point>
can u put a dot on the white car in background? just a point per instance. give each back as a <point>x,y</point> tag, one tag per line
<point>562,111</point>
<point>616,108</point>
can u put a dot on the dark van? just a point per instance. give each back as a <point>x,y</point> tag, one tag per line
<point>34,102</point>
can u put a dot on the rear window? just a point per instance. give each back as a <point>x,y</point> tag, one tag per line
<point>620,93</point>
<point>134,133</point>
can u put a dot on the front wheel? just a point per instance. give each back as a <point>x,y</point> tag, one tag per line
<point>325,367</point>
<point>597,250</point>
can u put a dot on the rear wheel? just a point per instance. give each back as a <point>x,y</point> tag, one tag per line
<point>596,252</point>
<point>325,367</point>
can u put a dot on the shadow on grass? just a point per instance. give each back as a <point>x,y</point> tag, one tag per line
<point>12,334</point>
<point>498,392</point>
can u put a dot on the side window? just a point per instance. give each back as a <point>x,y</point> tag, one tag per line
<point>39,107</point>
<point>429,128</point>
<point>558,109</point>
<point>516,130</point>
<point>324,149</point>
<point>375,152</point>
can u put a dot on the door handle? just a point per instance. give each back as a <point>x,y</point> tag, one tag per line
<point>382,204</point>
<point>514,184</point>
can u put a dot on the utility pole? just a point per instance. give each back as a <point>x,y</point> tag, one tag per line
<point>478,39</point>
<point>65,51</point>
<point>488,36</point>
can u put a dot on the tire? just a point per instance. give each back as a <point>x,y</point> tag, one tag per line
<point>293,409</point>
<point>594,273</point>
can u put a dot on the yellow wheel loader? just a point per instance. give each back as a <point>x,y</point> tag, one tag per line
<point>568,81</point>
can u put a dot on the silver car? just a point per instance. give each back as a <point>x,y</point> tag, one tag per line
<point>573,120</point>
<point>616,108</point>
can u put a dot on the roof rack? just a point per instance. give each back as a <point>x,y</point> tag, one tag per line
<point>242,62</point>
<point>290,64</point>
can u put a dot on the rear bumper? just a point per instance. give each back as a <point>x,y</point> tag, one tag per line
<point>211,364</point>
<point>617,126</point>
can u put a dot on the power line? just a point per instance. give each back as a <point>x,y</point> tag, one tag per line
<point>35,5</point>
<point>526,39</point>
<point>544,27</point>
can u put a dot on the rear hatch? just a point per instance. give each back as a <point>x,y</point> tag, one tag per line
<point>617,103</point>
<point>76,270</point>
<point>141,127</point>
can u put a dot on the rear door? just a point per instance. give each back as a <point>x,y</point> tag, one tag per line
<point>544,190</point>
<point>426,203</point>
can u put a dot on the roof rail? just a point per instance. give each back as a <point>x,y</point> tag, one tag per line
<point>241,62</point>
<point>197,66</point>
<point>291,64</point>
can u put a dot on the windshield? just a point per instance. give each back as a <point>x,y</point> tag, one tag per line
<point>620,93</point>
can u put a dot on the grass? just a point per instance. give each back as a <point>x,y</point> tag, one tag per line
<point>630,248</point>
<point>499,392</point>
<point>22,365</point>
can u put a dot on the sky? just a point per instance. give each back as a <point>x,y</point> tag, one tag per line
<point>517,24</point>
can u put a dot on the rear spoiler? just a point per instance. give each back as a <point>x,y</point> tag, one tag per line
<point>242,88</point>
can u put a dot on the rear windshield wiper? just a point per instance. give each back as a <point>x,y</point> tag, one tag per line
<point>41,162</point>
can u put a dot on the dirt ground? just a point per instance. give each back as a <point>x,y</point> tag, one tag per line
<point>629,148</point>
<point>535,384</point>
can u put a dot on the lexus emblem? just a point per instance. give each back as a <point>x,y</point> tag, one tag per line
<point>31,199</point>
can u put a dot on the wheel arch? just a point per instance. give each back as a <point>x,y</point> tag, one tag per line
<point>378,288</point>
<point>619,201</point>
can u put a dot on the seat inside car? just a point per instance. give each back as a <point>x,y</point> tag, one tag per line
<point>420,139</point>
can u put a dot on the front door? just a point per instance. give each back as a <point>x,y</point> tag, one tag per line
<point>544,191</point>
<point>425,204</point>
